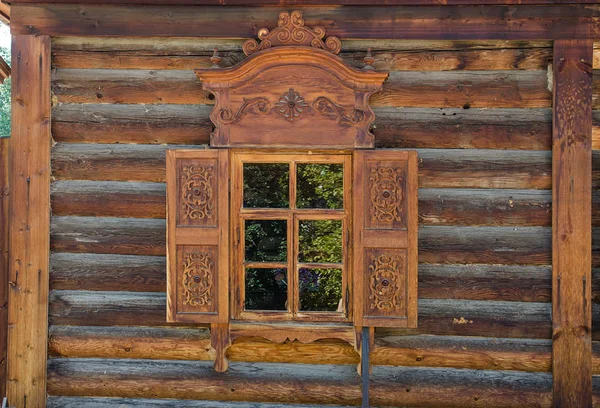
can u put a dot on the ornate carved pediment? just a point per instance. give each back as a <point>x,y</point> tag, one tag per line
<point>292,91</point>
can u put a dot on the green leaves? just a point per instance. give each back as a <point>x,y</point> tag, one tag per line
<point>5,99</point>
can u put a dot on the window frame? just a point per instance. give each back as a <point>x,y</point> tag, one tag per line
<point>293,216</point>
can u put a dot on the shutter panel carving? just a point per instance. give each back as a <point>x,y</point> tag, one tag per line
<point>197,236</point>
<point>385,238</point>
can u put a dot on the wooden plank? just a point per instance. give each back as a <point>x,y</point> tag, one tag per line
<point>438,168</point>
<point>4,228</point>
<point>30,221</point>
<point>571,221</point>
<point>4,13</point>
<point>452,89</point>
<point>319,2</point>
<point>409,22</point>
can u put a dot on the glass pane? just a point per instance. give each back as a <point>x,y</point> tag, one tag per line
<point>320,186</point>
<point>266,185</point>
<point>320,290</point>
<point>266,289</point>
<point>266,240</point>
<point>320,241</point>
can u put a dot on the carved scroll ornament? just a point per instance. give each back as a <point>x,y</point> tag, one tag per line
<point>384,288</point>
<point>196,192</point>
<point>387,200</point>
<point>292,31</point>
<point>197,280</point>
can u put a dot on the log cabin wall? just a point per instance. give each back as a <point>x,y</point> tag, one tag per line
<point>479,114</point>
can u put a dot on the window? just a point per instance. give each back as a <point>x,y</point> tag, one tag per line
<point>291,224</point>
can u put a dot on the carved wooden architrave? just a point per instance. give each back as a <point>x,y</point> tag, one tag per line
<point>292,91</point>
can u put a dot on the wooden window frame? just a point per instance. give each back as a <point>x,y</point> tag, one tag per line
<point>293,216</point>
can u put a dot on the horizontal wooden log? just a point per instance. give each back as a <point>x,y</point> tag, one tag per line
<point>197,380</point>
<point>111,402</point>
<point>409,22</point>
<point>125,236</point>
<point>438,168</point>
<point>144,124</point>
<point>442,317</point>
<point>321,2</point>
<point>397,60</point>
<point>500,207</point>
<point>473,89</point>
<point>448,128</point>
<point>416,351</point>
<point>267,382</point>
<point>108,199</point>
<point>128,273</point>
<point>519,129</point>
<point>486,245</point>
<point>108,272</point>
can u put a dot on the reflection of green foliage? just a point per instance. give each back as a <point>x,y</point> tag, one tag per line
<point>5,98</point>
<point>266,289</point>
<point>266,241</point>
<point>320,241</point>
<point>320,186</point>
<point>320,289</point>
<point>266,185</point>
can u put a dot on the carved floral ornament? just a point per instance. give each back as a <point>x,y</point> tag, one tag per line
<point>292,31</point>
<point>384,283</point>
<point>196,192</point>
<point>197,279</point>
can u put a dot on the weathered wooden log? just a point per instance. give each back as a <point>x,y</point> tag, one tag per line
<point>320,384</point>
<point>408,22</point>
<point>438,168</point>
<point>128,273</point>
<point>518,129</point>
<point>452,89</point>
<point>108,199</point>
<point>111,402</point>
<point>108,272</point>
<point>437,244</point>
<point>397,60</point>
<point>144,124</point>
<point>126,236</point>
<point>436,316</point>
<point>500,207</point>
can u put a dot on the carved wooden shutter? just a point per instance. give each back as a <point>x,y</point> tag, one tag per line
<point>385,238</point>
<point>197,236</point>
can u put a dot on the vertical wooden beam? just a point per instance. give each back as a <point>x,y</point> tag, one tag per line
<point>572,224</point>
<point>4,141</point>
<point>30,221</point>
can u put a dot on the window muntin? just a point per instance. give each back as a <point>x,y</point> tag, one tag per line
<point>311,261</point>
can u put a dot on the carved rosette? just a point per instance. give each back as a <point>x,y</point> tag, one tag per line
<point>292,31</point>
<point>197,279</point>
<point>387,200</point>
<point>384,282</point>
<point>291,105</point>
<point>196,192</point>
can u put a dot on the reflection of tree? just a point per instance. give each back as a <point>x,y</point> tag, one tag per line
<point>5,98</point>
<point>318,186</point>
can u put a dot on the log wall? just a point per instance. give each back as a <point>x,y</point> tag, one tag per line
<point>479,113</point>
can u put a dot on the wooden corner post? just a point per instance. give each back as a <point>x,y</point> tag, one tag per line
<point>29,246</point>
<point>572,224</point>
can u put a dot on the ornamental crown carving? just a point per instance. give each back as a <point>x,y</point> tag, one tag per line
<point>292,31</point>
